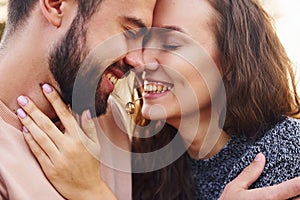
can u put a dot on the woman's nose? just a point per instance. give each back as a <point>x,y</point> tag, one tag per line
<point>150,57</point>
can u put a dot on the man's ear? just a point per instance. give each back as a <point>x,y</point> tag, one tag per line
<point>52,10</point>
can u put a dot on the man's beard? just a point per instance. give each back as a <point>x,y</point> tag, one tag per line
<point>66,60</point>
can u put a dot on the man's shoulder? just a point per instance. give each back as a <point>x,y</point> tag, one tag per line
<point>6,127</point>
<point>10,137</point>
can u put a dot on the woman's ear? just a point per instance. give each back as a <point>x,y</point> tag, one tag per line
<point>52,10</point>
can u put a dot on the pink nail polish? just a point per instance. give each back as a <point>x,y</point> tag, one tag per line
<point>47,88</point>
<point>88,114</point>
<point>258,158</point>
<point>21,113</point>
<point>25,130</point>
<point>22,100</point>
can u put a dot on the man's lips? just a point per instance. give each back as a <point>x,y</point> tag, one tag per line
<point>117,73</point>
<point>112,78</point>
<point>113,75</point>
<point>118,70</point>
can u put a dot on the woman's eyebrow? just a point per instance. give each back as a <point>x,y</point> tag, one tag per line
<point>174,28</point>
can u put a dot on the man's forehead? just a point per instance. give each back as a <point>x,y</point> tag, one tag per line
<point>137,12</point>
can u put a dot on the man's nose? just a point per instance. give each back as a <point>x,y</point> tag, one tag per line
<point>135,59</point>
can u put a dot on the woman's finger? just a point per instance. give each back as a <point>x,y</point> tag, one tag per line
<point>285,190</point>
<point>251,173</point>
<point>238,188</point>
<point>89,135</point>
<point>88,126</point>
<point>45,162</point>
<point>61,109</point>
<point>38,135</point>
<point>38,152</point>
<point>41,120</point>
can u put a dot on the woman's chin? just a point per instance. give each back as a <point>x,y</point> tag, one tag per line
<point>154,112</point>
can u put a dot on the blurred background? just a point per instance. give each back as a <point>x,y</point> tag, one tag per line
<point>286,15</point>
<point>3,15</point>
<point>284,12</point>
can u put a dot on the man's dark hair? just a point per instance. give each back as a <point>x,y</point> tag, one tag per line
<point>19,11</point>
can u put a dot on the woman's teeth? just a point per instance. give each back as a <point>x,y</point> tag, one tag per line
<point>113,79</point>
<point>156,87</point>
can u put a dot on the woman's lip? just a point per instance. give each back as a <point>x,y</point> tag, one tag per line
<point>153,96</point>
<point>150,81</point>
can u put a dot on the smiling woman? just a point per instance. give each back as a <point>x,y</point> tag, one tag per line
<point>252,122</point>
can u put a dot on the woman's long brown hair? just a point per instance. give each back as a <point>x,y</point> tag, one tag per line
<point>260,87</point>
<point>259,78</point>
<point>171,182</point>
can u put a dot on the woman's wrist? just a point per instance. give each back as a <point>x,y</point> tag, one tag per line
<point>99,191</point>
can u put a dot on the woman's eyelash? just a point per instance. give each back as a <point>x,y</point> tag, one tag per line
<point>171,46</point>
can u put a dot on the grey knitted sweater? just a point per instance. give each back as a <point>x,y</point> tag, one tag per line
<point>280,145</point>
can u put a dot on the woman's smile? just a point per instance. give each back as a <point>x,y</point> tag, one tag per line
<point>156,89</point>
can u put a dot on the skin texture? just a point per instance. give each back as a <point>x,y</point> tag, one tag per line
<point>194,76</point>
<point>163,65</point>
<point>65,60</point>
<point>63,177</point>
<point>51,22</point>
<point>38,134</point>
<point>42,34</point>
<point>53,155</point>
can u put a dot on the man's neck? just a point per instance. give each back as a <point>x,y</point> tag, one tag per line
<point>23,68</point>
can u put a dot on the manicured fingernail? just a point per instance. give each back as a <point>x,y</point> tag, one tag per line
<point>47,88</point>
<point>88,114</point>
<point>21,113</point>
<point>22,100</point>
<point>258,158</point>
<point>25,130</point>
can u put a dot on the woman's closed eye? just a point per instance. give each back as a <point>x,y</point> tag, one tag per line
<point>134,33</point>
<point>171,46</point>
